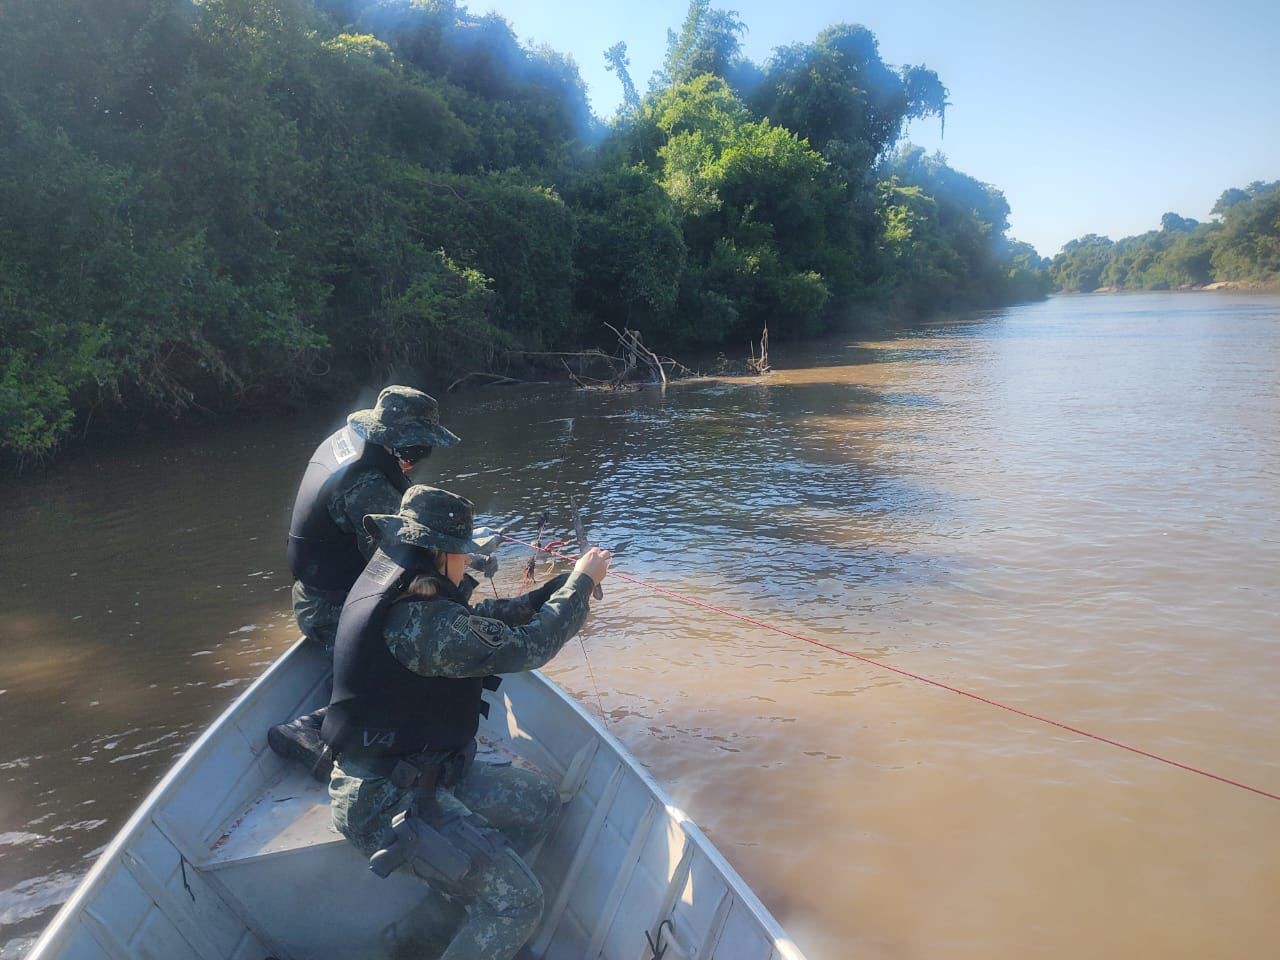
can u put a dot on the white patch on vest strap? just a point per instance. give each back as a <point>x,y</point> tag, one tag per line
<point>381,569</point>
<point>489,631</point>
<point>343,448</point>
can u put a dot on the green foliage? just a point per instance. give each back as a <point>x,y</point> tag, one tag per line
<point>1248,247</point>
<point>630,250</point>
<point>840,96</point>
<point>520,235</point>
<point>1172,223</point>
<point>443,317</point>
<point>755,204</point>
<point>1080,265</point>
<point>618,62</point>
<point>708,42</point>
<point>202,203</point>
<point>921,266</point>
<point>1026,273</point>
<point>1229,199</point>
<point>1243,247</point>
<point>529,103</point>
<point>943,238</point>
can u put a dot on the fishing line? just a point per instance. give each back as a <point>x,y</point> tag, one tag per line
<point>924,679</point>
<point>537,548</point>
<point>592,674</point>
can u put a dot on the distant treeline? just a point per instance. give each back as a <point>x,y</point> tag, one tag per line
<point>205,203</point>
<point>1241,247</point>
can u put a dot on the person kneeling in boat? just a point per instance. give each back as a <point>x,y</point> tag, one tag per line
<point>411,661</point>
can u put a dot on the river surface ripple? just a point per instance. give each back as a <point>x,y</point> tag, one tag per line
<point>1070,506</point>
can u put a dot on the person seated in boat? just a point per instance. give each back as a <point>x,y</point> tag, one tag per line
<point>360,469</point>
<point>411,661</point>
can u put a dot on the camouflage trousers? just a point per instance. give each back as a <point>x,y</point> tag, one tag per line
<point>503,899</point>
<point>317,615</point>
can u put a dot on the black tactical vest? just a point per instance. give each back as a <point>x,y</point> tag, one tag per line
<point>381,708</point>
<point>320,554</point>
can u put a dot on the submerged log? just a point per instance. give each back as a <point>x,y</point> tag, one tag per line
<point>494,379</point>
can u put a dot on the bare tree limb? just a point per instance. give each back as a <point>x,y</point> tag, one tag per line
<point>760,364</point>
<point>631,342</point>
<point>572,376</point>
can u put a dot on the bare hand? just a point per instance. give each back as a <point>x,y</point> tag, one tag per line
<point>594,563</point>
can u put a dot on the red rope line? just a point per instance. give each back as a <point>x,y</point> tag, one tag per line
<point>693,601</point>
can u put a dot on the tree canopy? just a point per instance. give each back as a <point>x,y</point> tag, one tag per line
<point>1242,245</point>
<point>208,203</point>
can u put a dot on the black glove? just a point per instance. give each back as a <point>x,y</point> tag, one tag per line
<point>544,592</point>
<point>486,564</point>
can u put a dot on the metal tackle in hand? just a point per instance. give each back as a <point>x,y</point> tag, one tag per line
<point>580,533</point>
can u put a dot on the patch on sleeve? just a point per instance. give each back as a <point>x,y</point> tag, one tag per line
<point>343,448</point>
<point>459,625</point>
<point>382,569</point>
<point>489,631</point>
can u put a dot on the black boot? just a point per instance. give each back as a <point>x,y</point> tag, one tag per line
<point>300,740</point>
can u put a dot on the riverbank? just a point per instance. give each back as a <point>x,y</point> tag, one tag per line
<point>130,421</point>
<point>1220,286</point>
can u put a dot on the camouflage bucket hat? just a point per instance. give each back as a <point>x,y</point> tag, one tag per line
<point>403,417</point>
<point>428,517</point>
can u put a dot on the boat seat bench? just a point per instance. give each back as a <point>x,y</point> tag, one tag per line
<point>292,814</point>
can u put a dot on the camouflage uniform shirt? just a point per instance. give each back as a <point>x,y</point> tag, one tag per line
<point>440,638</point>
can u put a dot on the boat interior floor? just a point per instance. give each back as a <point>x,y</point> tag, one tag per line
<point>235,856</point>
<point>281,858</point>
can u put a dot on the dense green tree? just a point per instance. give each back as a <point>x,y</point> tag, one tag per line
<point>630,251</point>
<point>840,96</point>
<point>1078,268</point>
<point>1229,199</point>
<point>1244,246</point>
<point>756,205</point>
<point>201,203</point>
<point>1248,246</point>
<point>1026,273</point>
<point>944,237</point>
<point>1172,223</point>
<point>618,62</point>
<point>709,41</point>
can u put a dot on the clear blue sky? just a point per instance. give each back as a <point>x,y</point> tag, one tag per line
<point>1092,117</point>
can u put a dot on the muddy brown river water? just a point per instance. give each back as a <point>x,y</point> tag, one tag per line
<point>1071,506</point>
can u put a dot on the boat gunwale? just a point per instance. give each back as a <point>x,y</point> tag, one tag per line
<point>741,889</point>
<point>783,945</point>
<point>137,822</point>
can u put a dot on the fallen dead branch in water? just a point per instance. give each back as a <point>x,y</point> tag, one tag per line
<point>634,364</point>
<point>760,364</point>
<point>754,366</point>
<point>634,351</point>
